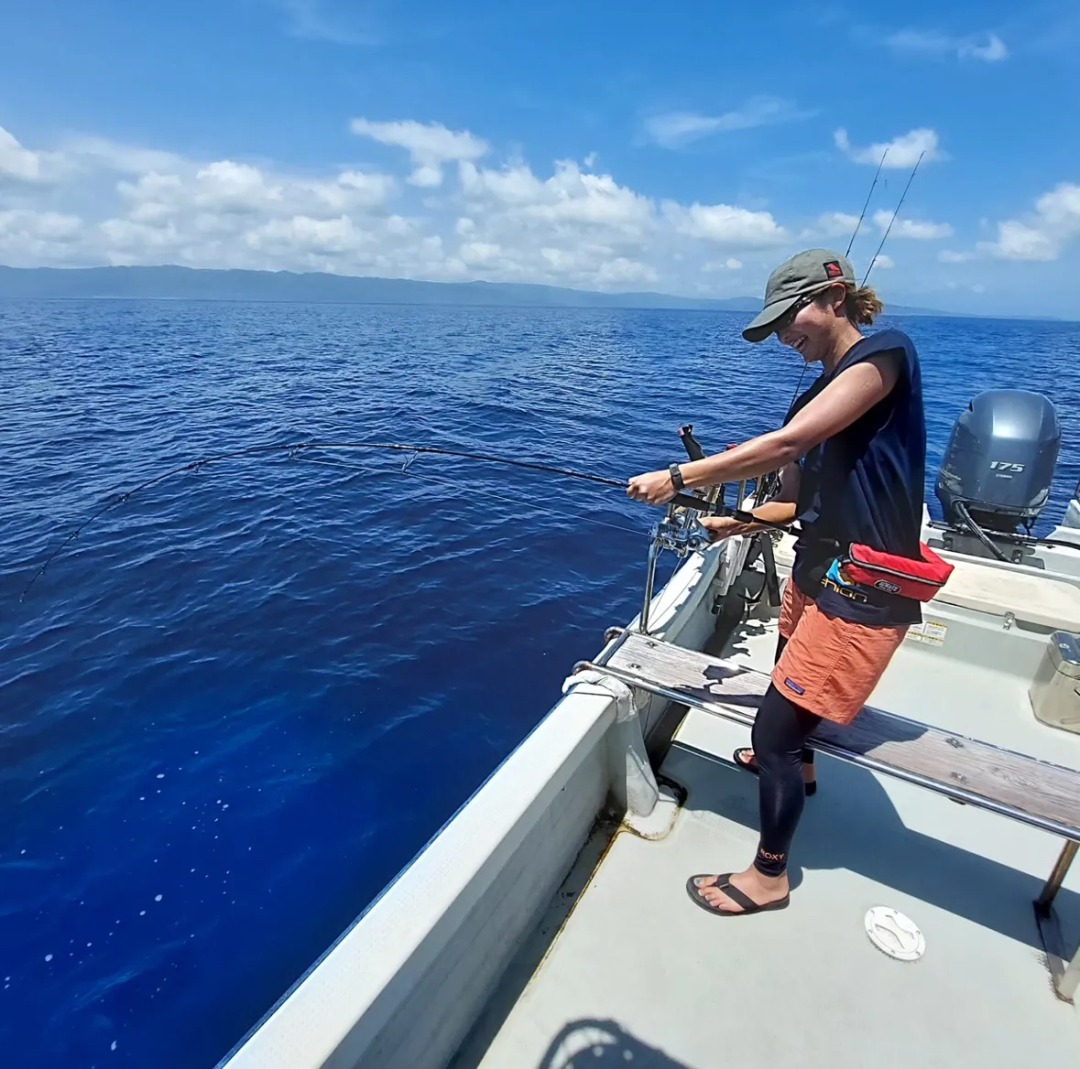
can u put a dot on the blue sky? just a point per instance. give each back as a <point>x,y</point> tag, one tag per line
<point>683,148</point>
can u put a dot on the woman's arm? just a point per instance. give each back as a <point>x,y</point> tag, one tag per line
<point>851,395</point>
<point>779,509</point>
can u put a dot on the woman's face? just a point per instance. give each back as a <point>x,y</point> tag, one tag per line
<point>811,332</point>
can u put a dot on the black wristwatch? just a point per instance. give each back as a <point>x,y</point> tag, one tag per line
<point>676,478</point>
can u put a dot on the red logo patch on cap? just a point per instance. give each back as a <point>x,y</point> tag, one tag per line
<point>833,269</point>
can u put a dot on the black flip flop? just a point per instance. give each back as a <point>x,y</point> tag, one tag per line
<point>723,881</point>
<point>737,757</point>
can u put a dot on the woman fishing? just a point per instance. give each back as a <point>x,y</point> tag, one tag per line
<point>851,453</point>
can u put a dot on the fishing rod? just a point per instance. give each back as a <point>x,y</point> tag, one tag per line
<point>888,229</point>
<point>866,205</point>
<point>683,501</point>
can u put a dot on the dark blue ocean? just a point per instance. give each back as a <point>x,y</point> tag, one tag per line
<point>240,702</point>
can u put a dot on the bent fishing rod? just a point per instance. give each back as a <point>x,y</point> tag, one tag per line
<point>702,505</point>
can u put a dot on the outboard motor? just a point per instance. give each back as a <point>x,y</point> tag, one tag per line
<point>1000,462</point>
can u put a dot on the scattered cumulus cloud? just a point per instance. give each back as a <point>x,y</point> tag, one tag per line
<point>1043,234</point>
<point>83,201</point>
<point>17,162</point>
<point>916,230</point>
<point>883,261</point>
<point>987,47</point>
<point>430,146</point>
<point>676,128</point>
<point>725,224</point>
<point>730,264</point>
<point>901,152</point>
<point>830,225</point>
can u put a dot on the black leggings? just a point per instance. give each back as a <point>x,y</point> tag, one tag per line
<point>781,729</point>
<point>807,754</point>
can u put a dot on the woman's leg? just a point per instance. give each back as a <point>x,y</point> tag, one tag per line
<point>748,757</point>
<point>807,754</point>
<point>780,733</point>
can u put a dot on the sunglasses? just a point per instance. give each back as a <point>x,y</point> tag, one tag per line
<point>789,316</point>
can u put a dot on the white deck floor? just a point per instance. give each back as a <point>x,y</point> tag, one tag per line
<point>639,976</point>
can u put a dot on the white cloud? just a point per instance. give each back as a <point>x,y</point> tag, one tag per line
<point>16,161</point>
<point>725,224</point>
<point>98,153</point>
<point>830,225</point>
<point>730,264</point>
<point>93,201</point>
<point>1019,241</point>
<point>569,199</point>
<point>675,128</point>
<point>45,238</point>
<point>883,261</point>
<point>478,253</point>
<point>1041,236</point>
<point>987,47</point>
<point>623,272</point>
<point>227,186</point>
<point>993,50</point>
<point>512,186</point>
<point>903,151</point>
<point>915,229</point>
<point>430,145</point>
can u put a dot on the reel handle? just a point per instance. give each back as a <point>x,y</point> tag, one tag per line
<point>690,443</point>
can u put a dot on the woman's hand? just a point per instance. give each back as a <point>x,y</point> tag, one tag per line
<point>725,527</point>
<point>654,488</point>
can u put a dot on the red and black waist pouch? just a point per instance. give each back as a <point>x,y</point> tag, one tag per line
<point>892,574</point>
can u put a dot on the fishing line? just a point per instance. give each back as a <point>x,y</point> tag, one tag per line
<point>548,509</point>
<point>297,448</point>
<point>428,477</point>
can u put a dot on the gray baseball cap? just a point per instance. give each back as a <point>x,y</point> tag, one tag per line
<point>807,272</point>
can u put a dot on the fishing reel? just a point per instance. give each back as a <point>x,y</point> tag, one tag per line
<point>680,531</point>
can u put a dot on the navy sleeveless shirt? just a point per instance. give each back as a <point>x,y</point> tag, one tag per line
<point>864,485</point>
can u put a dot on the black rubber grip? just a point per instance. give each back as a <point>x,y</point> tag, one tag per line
<point>686,501</point>
<point>690,443</point>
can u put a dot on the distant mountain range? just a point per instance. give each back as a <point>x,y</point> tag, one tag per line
<point>185,283</point>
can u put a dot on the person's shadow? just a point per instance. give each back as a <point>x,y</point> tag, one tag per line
<point>600,1044</point>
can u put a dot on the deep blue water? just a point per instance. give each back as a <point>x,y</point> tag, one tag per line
<point>243,700</point>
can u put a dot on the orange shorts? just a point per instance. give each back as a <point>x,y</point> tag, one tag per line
<point>830,666</point>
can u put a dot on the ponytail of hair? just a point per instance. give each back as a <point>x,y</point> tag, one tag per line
<point>862,305</point>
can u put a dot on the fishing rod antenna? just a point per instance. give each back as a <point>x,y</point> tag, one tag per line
<point>877,173</point>
<point>888,229</point>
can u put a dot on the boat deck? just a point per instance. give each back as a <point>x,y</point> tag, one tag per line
<point>625,970</point>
